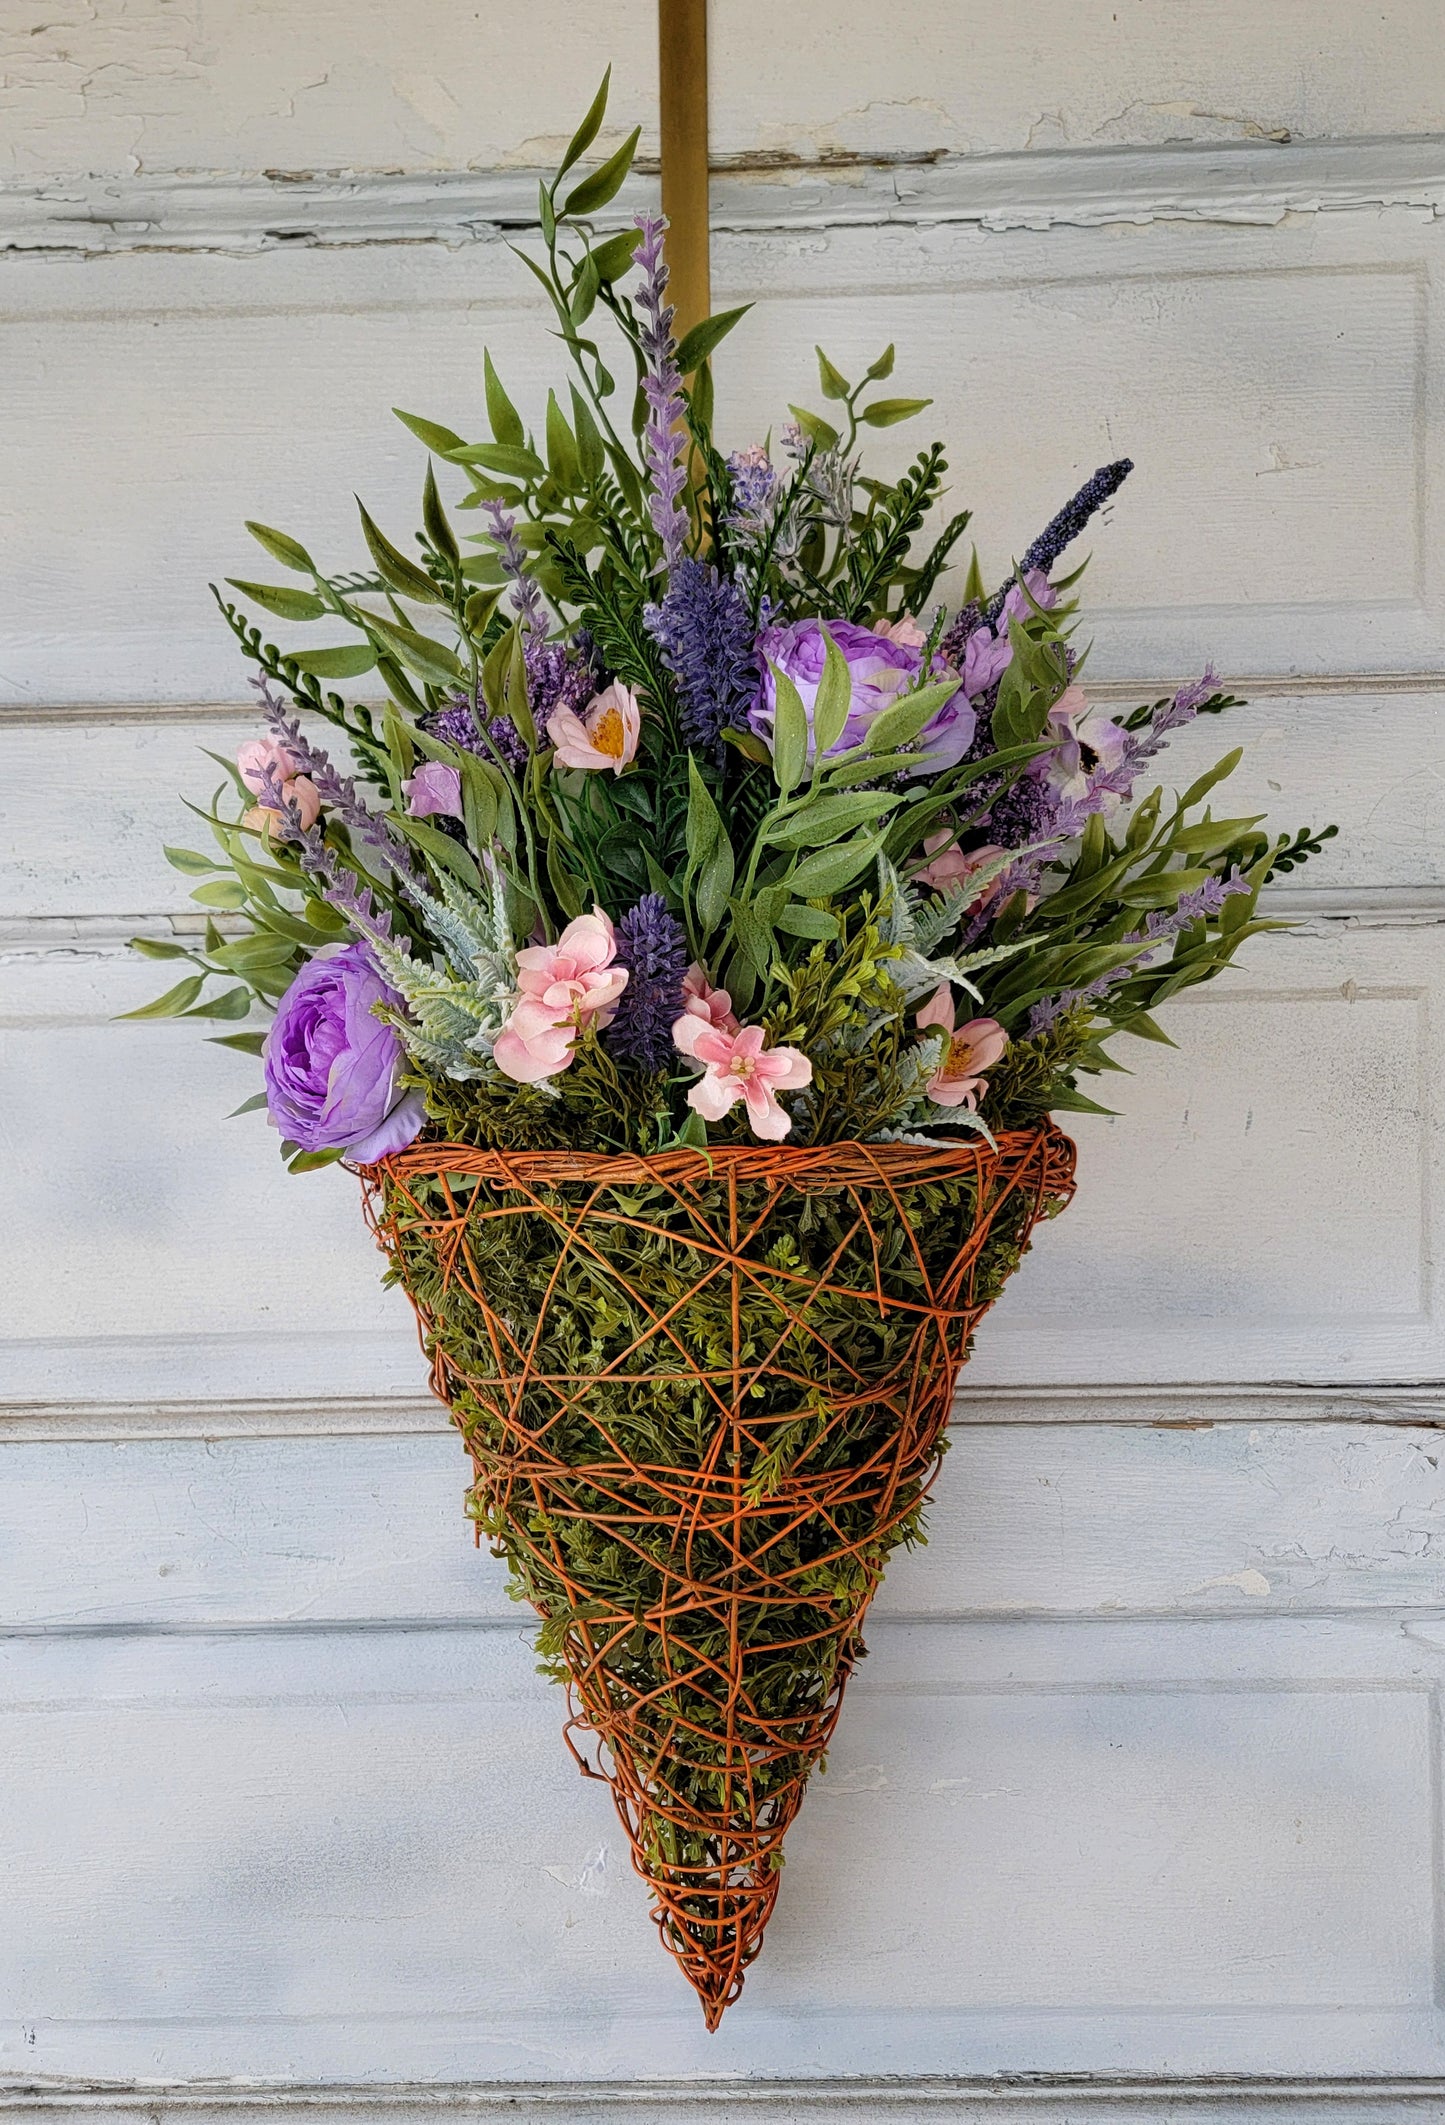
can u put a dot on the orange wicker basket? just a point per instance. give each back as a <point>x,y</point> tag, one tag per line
<point>705,1394</point>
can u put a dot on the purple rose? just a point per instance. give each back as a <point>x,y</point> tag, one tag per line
<point>332,1067</point>
<point>435,789</point>
<point>879,670</point>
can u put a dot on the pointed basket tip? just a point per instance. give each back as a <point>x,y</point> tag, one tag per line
<point>698,1484</point>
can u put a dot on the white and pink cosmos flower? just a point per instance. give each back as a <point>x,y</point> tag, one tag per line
<point>972,1048</point>
<point>740,1065</point>
<point>563,985</point>
<point>605,734</point>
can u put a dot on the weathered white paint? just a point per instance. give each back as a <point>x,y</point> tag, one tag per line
<point>362,87</point>
<point>136,1265</point>
<point>1283,382</point>
<point>1192,1846</point>
<point>1049,1520</point>
<point>1135,1809</point>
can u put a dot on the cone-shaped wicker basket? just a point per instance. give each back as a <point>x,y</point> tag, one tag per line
<point>705,1395</point>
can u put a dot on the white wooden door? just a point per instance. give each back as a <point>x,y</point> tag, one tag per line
<point>1136,1808</point>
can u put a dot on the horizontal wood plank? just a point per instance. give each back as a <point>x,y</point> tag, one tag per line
<point>1047,1520</point>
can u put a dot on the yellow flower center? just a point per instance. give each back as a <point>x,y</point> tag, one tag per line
<point>607,733</point>
<point>959,1060</point>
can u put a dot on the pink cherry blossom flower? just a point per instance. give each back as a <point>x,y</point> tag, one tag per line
<point>1088,741</point>
<point>605,734</point>
<point>703,1009</point>
<point>954,866</point>
<point>741,1066</point>
<point>562,985</point>
<point>434,791</point>
<point>972,1048</point>
<point>262,761</point>
<point>905,631</point>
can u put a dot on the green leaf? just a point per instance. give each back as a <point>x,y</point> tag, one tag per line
<point>615,257</point>
<point>887,412</point>
<point>876,371</point>
<point>434,518</point>
<point>816,428</point>
<point>1220,772</point>
<point>287,551</point>
<point>278,598</point>
<point>311,1161</point>
<point>233,1003</point>
<point>247,1106</point>
<point>403,575</point>
<point>749,744</point>
<point>243,1043</point>
<point>801,921</point>
<point>1161,890</point>
<point>173,1002</point>
<point>441,440</point>
<point>591,457</point>
<point>445,854</point>
<point>348,661</point>
<point>710,867</point>
<point>698,345</point>
<point>562,459</point>
<point>221,893</point>
<point>817,877</point>
<point>754,939</point>
<point>605,182</point>
<point>513,460</point>
<point>157,948</point>
<point>790,732</point>
<point>502,415</point>
<point>833,382</point>
<point>429,659</point>
<point>901,724</point>
<point>187,860</point>
<point>586,133</point>
<point>834,698</point>
<point>1212,836</point>
<point>828,819</point>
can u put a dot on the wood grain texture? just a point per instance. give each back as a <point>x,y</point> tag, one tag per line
<point>1283,382</point>
<point>1276,1519</point>
<point>368,88</point>
<point>1197,1847</point>
<point>1264,1208</point>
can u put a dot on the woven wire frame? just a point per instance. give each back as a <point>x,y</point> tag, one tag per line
<point>712,1405</point>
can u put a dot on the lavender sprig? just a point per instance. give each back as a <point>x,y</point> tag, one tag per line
<point>1158,927</point>
<point>664,437</point>
<point>705,632</point>
<point>652,947</point>
<point>526,596</point>
<point>340,887</point>
<point>339,791</point>
<point>1062,530</point>
<point>1137,751</point>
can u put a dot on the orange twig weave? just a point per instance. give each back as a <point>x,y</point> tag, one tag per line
<point>704,1395</point>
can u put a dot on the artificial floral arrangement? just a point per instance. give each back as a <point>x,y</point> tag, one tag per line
<point>689,951</point>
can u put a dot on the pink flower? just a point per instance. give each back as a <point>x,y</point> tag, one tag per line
<point>953,866</point>
<point>301,791</point>
<point>703,1010</point>
<point>905,631</point>
<point>562,985</point>
<point>1088,740</point>
<point>604,735</point>
<point>972,1048</point>
<point>741,1066</point>
<point>264,760</point>
<point>435,790</point>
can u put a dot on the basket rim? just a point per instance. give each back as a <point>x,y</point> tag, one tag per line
<point>846,1162</point>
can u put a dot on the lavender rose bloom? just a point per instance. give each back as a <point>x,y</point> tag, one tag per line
<point>879,670</point>
<point>332,1068</point>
